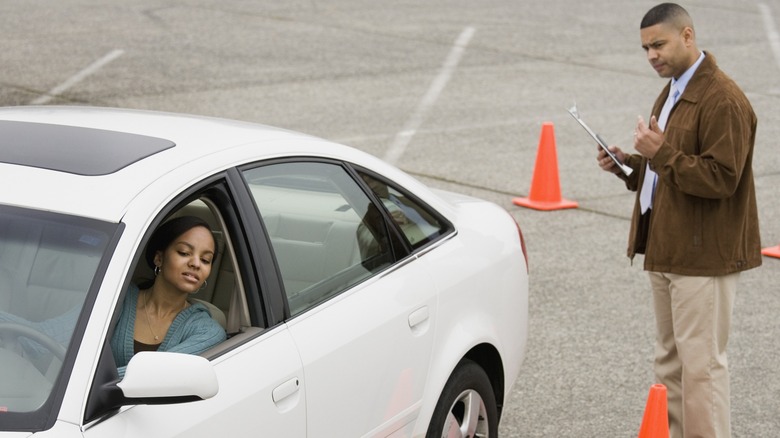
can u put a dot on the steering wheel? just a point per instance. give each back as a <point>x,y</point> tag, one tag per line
<point>21,330</point>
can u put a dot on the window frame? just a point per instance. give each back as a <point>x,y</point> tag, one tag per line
<point>398,250</point>
<point>447,228</point>
<point>251,259</point>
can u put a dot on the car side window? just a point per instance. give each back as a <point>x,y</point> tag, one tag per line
<point>418,225</point>
<point>222,292</point>
<point>325,232</point>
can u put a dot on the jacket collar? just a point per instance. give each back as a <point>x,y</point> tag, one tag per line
<point>701,78</point>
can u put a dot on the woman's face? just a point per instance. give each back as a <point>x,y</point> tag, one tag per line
<point>186,262</point>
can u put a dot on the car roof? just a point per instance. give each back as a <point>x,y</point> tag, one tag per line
<point>111,155</point>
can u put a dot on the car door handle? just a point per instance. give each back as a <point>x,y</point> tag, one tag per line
<point>418,317</point>
<point>286,389</point>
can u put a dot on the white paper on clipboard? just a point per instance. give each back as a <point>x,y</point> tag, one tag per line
<point>625,169</point>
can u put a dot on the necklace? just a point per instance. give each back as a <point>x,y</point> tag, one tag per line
<point>148,320</point>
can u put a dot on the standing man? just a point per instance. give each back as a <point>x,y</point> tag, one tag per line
<point>695,217</point>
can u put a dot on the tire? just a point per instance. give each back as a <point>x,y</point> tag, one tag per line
<point>468,386</point>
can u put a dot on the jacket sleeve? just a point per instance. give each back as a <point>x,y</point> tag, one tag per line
<point>59,328</point>
<point>198,334</point>
<point>726,136</point>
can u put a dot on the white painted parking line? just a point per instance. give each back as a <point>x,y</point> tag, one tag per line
<point>402,139</point>
<point>78,77</point>
<point>771,31</point>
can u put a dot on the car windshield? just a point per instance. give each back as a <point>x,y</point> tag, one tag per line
<point>47,264</point>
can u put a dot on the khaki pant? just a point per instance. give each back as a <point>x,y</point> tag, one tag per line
<point>693,318</point>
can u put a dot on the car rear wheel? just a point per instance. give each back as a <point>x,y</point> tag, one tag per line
<point>467,405</point>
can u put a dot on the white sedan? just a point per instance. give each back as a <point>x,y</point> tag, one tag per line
<point>354,300</point>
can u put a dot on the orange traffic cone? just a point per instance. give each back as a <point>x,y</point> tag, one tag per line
<point>772,251</point>
<point>655,423</point>
<point>545,187</point>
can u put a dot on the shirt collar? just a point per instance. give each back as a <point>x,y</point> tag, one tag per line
<point>682,82</point>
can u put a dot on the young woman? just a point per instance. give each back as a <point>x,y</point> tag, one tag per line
<point>158,316</point>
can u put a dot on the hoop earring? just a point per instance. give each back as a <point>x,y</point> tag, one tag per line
<point>156,270</point>
<point>205,283</point>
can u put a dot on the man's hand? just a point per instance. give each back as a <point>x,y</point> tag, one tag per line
<point>648,139</point>
<point>606,163</point>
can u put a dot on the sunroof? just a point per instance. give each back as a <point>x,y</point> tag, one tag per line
<point>81,151</point>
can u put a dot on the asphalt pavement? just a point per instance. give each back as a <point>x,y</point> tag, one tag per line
<point>456,92</point>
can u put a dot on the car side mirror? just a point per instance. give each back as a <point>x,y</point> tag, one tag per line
<point>164,377</point>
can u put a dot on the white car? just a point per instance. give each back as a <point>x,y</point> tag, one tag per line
<point>356,301</point>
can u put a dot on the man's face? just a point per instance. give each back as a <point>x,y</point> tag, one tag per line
<point>668,49</point>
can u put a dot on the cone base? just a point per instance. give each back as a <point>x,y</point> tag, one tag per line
<point>773,251</point>
<point>544,205</point>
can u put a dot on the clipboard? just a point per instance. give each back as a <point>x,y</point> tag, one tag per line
<point>625,169</point>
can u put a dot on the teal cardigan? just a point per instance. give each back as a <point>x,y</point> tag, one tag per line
<point>192,331</point>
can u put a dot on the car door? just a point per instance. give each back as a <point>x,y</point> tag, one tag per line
<point>362,308</point>
<point>258,369</point>
<point>249,378</point>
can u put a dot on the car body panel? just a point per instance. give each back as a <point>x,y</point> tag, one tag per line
<point>338,345</point>
<point>500,315</point>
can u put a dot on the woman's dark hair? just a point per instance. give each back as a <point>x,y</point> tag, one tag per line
<point>168,232</point>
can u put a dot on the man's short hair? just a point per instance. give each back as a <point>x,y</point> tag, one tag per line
<point>667,13</point>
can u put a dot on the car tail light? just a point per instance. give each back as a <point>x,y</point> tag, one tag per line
<point>522,244</point>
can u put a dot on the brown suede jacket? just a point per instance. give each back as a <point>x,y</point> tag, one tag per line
<point>704,220</point>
